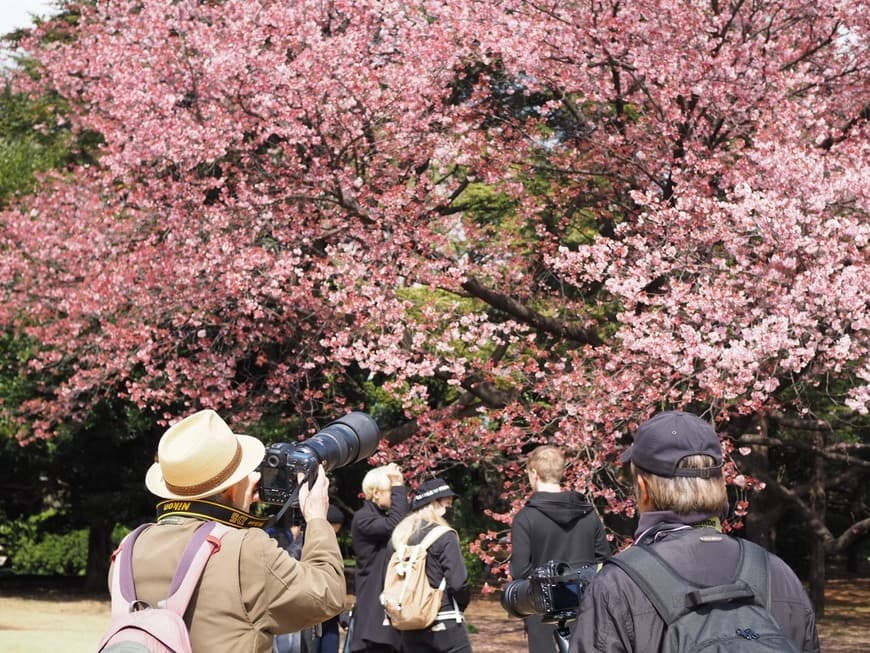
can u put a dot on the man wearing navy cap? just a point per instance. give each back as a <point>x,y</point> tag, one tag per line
<point>676,467</point>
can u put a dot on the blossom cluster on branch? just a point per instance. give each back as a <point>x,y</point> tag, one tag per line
<point>572,213</point>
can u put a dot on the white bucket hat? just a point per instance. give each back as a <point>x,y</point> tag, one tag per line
<point>200,456</point>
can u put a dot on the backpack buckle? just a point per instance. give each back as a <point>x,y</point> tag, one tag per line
<point>215,543</point>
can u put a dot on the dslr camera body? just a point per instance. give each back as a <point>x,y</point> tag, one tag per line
<point>552,590</point>
<point>345,441</point>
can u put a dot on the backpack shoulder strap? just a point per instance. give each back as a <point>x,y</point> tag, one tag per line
<point>205,542</point>
<point>422,548</point>
<point>432,536</point>
<point>754,571</point>
<point>123,589</point>
<point>664,588</point>
<point>673,596</point>
<point>750,583</point>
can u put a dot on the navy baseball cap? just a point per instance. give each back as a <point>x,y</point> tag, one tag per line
<point>662,441</point>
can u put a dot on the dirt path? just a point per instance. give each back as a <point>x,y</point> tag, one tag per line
<point>36,624</point>
<point>50,622</point>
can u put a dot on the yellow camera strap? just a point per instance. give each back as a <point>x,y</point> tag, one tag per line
<point>200,509</point>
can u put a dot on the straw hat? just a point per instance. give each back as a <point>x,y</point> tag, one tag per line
<point>200,456</point>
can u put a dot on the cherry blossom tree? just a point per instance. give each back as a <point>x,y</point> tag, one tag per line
<point>565,215</point>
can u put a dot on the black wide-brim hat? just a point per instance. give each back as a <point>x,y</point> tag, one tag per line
<point>429,491</point>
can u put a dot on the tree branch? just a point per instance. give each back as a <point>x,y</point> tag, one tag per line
<point>855,532</point>
<point>757,440</point>
<point>459,410</point>
<point>851,476</point>
<point>797,423</point>
<point>526,315</point>
<point>816,525</point>
<point>808,424</point>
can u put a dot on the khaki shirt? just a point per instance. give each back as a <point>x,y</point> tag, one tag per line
<point>251,589</point>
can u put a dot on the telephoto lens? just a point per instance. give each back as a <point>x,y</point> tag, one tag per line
<point>345,441</point>
<point>517,599</point>
<point>552,590</point>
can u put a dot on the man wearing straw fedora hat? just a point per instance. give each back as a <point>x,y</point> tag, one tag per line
<point>251,588</point>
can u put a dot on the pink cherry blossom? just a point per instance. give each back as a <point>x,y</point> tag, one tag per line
<point>570,213</point>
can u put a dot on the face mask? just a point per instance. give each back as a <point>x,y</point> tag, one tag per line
<point>448,513</point>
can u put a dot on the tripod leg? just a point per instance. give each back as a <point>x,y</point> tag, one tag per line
<point>561,636</point>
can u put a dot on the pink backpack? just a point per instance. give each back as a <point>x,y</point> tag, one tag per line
<point>137,626</point>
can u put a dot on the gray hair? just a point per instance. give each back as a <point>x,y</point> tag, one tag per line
<point>684,494</point>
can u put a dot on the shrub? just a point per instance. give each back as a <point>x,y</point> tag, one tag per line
<point>34,550</point>
<point>477,571</point>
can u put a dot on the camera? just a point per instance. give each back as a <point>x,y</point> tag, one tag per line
<point>347,440</point>
<point>552,590</point>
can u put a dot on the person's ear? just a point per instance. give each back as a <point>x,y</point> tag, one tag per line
<point>643,500</point>
<point>233,494</point>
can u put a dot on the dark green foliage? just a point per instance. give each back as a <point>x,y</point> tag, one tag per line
<point>477,571</point>
<point>33,139</point>
<point>118,534</point>
<point>35,549</point>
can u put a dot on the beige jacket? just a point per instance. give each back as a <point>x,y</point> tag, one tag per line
<point>251,588</point>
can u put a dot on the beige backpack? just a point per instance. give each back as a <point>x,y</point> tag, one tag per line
<point>410,602</point>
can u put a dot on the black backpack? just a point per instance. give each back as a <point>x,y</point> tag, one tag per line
<point>731,617</point>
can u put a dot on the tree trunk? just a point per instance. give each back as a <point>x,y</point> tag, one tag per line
<point>766,507</point>
<point>99,553</point>
<point>818,501</point>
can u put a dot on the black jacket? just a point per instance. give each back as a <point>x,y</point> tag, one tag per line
<point>371,529</point>
<point>558,526</point>
<point>615,615</point>
<point>444,560</point>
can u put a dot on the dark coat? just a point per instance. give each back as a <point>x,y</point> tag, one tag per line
<point>371,529</point>
<point>559,526</point>
<point>556,526</point>
<point>615,615</point>
<point>444,560</point>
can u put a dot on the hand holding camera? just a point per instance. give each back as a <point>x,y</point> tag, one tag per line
<point>314,500</point>
<point>287,465</point>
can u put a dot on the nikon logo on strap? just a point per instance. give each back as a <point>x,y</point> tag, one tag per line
<point>208,510</point>
<point>174,506</point>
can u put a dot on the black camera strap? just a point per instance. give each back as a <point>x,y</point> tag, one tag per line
<point>200,509</point>
<point>276,517</point>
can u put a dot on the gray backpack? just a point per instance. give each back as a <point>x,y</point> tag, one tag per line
<point>732,617</point>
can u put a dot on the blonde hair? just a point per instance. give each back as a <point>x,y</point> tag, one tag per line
<point>416,520</point>
<point>375,479</point>
<point>548,461</point>
<point>684,494</point>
